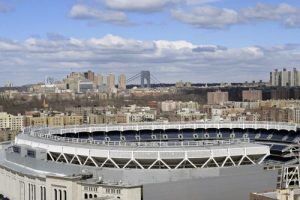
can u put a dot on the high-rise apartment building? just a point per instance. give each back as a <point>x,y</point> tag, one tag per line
<point>274,78</point>
<point>122,82</point>
<point>294,78</point>
<point>110,81</point>
<point>280,93</point>
<point>252,95</point>
<point>285,78</point>
<point>98,80</point>
<point>89,75</point>
<point>217,97</point>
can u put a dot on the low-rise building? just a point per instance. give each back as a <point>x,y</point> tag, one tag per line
<point>96,119</point>
<point>35,121</point>
<point>55,121</point>
<point>73,120</point>
<point>187,114</point>
<point>7,135</point>
<point>11,122</point>
<point>280,194</point>
<point>168,106</point>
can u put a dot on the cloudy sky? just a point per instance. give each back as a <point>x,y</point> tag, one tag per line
<point>195,40</point>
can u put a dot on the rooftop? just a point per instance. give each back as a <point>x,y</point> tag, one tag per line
<point>144,146</point>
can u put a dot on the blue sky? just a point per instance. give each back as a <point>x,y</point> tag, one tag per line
<point>196,40</point>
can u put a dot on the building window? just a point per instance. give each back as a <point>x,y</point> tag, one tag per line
<point>29,191</point>
<point>16,149</point>
<point>33,192</point>
<point>85,196</point>
<point>65,195</point>
<point>60,195</point>
<point>41,188</point>
<point>31,153</point>
<point>55,194</point>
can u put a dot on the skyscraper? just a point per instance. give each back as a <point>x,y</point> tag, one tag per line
<point>122,82</point>
<point>110,80</point>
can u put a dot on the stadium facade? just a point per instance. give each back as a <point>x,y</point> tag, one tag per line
<point>146,161</point>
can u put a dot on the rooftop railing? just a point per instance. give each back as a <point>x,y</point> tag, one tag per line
<point>143,143</point>
<point>181,125</point>
<point>151,144</point>
<point>184,124</point>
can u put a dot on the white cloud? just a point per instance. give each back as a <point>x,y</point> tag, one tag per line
<point>168,60</point>
<point>213,17</point>
<point>207,17</point>
<point>174,45</point>
<point>150,5</point>
<point>83,12</point>
<point>138,5</point>
<point>198,2</point>
<point>268,12</point>
<point>191,12</point>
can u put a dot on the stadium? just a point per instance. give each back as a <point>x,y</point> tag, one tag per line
<point>150,161</point>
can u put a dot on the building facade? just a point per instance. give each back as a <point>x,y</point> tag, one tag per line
<point>11,122</point>
<point>285,78</point>
<point>217,98</point>
<point>252,95</point>
<point>122,82</point>
<point>110,80</point>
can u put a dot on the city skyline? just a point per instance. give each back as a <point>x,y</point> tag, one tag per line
<point>190,40</point>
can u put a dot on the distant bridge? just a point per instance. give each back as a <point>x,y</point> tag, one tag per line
<point>145,79</point>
